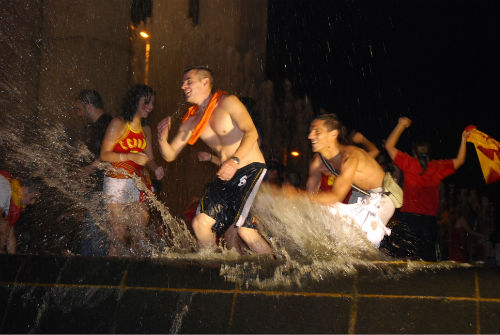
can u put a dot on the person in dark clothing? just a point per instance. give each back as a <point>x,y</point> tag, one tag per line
<point>90,109</point>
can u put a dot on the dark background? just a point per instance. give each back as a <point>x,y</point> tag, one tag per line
<point>370,62</point>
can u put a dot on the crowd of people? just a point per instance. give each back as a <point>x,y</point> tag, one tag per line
<point>380,189</point>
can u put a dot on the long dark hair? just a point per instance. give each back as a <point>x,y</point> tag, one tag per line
<point>131,100</point>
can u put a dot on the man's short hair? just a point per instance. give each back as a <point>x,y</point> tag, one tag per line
<point>332,122</point>
<point>91,97</point>
<point>203,71</point>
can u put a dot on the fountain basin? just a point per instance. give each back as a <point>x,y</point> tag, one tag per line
<point>75,294</point>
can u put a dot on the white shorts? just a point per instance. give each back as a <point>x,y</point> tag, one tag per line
<point>371,213</point>
<point>120,190</point>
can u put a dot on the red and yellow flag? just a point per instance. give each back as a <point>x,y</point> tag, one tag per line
<point>488,153</point>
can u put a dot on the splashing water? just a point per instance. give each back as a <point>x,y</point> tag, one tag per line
<point>308,241</point>
<point>311,243</point>
<point>51,156</point>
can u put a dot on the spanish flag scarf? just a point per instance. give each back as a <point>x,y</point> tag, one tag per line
<point>198,129</point>
<point>15,207</point>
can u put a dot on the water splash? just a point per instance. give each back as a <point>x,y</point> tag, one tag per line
<point>309,242</point>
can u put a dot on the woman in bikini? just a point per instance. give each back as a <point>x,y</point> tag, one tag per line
<point>127,145</point>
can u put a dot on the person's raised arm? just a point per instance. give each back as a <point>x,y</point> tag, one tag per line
<point>392,140</point>
<point>158,170</point>
<point>170,151</point>
<point>462,151</point>
<point>370,147</point>
<point>113,133</point>
<point>314,179</point>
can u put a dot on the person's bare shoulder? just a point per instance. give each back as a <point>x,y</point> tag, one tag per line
<point>117,122</point>
<point>116,127</point>
<point>352,152</point>
<point>355,151</point>
<point>230,102</point>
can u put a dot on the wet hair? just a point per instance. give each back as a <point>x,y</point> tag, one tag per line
<point>91,97</point>
<point>332,122</point>
<point>132,98</point>
<point>203,71</point>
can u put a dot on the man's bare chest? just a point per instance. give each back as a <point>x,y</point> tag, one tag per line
<point>220,124</point>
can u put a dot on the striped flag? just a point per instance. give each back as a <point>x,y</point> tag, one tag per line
<point>488,153</point>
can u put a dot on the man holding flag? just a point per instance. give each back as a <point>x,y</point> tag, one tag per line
<point>422,177</point>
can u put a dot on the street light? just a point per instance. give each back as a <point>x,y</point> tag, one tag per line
<point>145,36</point>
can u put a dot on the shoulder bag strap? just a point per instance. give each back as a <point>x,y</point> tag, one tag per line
<point>332,170</point>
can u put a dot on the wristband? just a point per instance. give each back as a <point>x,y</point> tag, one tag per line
<point>235,159</point>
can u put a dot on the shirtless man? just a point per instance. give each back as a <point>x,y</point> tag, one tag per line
<point>355,167</point>
<point>321,179</point>
<point>224,124</point>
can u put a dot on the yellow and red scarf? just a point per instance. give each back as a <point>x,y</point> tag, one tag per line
<point>15,207</point>
<point>198,129</point>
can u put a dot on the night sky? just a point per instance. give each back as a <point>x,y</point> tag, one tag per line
<point>373,61</point>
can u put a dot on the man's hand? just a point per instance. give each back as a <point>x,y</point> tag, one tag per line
<point>404,121</point>
<point>227,170</point>
<point>163,128</point>
<point>465,135</point>
<point>358,138</point>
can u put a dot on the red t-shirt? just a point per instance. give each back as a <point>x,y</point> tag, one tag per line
<point>421,192</point>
